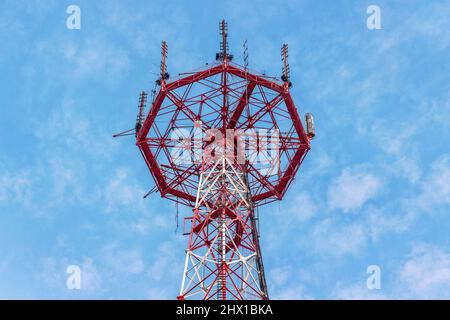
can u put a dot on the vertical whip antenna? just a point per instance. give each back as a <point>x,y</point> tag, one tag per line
<point>223,54</point>
<point>286,72</point>
<point>245,55</point>
<point>164,74</point>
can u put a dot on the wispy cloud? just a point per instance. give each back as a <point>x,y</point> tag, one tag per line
<point>352,189</point>
<point>123,260</point>
<point>435,187</point>
<point>15,187</point>
<point>347,239</point>
<point>357,291</point>
<point>426,273</point>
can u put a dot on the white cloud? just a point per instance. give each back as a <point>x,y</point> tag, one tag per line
<point>98,57</point>
<point>291,292</point>
<point>287,282</point>
<point>124,261</point>
<point>68,178</point>
<point>90,276</point>
<point>357,292</point>
<point>337,236</point>
<point>329,237</point>
<point>141,26</point>
<point>436,185</point>
<point>159,293</point>
<point>408,168</point>
<point>379,221</point>
<point>426,274</point>
<point>92,57</point>
<point>303,207</point>
<point>322,164</point>
<point>15,187</point>
<point>122,193</point>
<point>300,208</point>
<point>429,22</point>
<point>168,263</point>
<point>351,190</point>
<point>393,140</point>
<point>52,273</point>
<point>68,127</point>
<point>399,146</point>
<point>280,275</point>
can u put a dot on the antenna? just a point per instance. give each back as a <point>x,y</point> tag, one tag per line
<point>164,75</point>
<point>245,55</point>
<point>223,54</point>
<point>286,72</point>
<point>224,42</point>
<point>140,116</point>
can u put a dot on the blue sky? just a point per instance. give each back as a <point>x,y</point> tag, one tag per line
<point>374,190</point>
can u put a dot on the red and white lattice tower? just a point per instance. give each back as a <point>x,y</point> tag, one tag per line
<point>223,140</point>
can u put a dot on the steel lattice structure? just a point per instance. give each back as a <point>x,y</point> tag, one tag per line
<point>223,256</point>
<point>226,174</point>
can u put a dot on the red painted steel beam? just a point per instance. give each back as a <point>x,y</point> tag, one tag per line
<point>291,170</point>
<point>181,194</point>
<point>153,166</point>
<point>151,116</point>
<point>295,118</point>
<point>296,169</point>
<point>254,78</point>
<point>241,105</point>
<point>195,77</point>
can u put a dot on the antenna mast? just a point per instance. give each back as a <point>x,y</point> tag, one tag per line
<point>223,54</point>
<point>286,72</point>
<point>140,116</point>
<point>163,69</point>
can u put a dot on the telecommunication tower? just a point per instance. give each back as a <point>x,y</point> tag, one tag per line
<point>223,141</point>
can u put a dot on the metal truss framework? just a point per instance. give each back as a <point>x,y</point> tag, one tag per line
<point>223,259</point>
<point>224,96</point>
